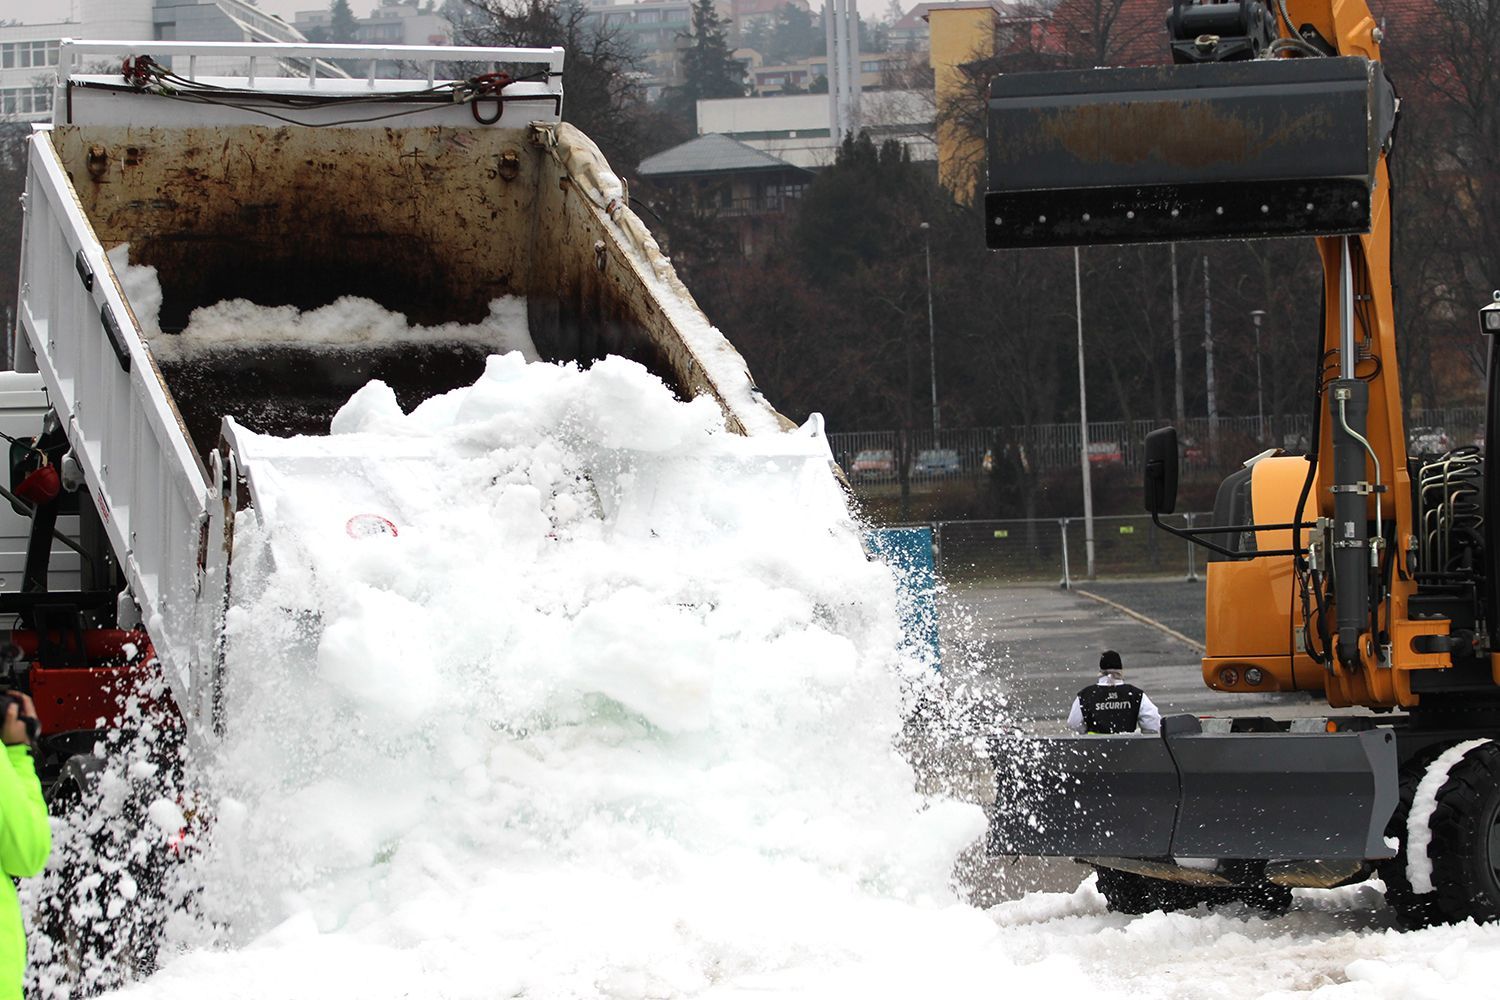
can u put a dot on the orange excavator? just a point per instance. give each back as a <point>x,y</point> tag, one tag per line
<point>1355,570</point>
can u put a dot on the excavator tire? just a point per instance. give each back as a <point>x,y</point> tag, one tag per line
<point>1127,892</point>
<point>1465,848</point>
<point>1414,911</point>
<point>1269,899</point>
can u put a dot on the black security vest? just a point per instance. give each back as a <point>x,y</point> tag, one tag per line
<point>1110,708</point>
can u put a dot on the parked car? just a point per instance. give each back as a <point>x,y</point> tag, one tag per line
<point>936,462</point>
<point>1429,441</point>
<point>873,464</point>
<point>1105,453</point>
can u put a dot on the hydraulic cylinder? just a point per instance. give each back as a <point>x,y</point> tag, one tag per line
<point>1348,410</point>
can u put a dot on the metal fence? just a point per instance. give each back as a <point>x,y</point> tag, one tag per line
<point>875,457</point>
<point>1054,550</point>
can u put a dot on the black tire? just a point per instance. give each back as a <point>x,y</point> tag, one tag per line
<point>1268,898</point>
<point>91,954</point>
<point>54,922</point>
<point>71,939</point>
<point>1465,848</point>
<point>1127,892</point>
<point>1413,911</point>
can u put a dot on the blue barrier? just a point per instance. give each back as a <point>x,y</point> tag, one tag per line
<point>909,552</point>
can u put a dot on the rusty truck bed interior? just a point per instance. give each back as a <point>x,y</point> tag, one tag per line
<point>430,222</point>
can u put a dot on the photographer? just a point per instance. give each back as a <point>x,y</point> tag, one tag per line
<point>25,836</point>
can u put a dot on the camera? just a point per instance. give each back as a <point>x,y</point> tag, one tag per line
<point>33,727</point>
<point>15,674</point>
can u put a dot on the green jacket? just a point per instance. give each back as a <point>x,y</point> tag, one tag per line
<point>25,841</point>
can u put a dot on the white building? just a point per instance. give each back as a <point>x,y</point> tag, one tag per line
<point>794,128</point>
<point>394,22</point>
<point>26,55</point>
<point>28,52</point>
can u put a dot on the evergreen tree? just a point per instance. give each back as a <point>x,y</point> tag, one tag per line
<point>708,69</point>
<point>342,27</point>
<point>792,35</point>
<point>758,37</point>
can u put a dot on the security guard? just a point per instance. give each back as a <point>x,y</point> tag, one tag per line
<point>1109,705</point>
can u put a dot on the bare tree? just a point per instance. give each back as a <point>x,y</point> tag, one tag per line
<point>12,180</point>
<point>1083,33</point>
<point>604,98</point>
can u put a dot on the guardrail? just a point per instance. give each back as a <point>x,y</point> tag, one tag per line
<point>1054,550</point>
<point>872,458</point>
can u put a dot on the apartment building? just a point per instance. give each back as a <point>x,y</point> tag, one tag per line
<point>26,71</point>
<point>657,31</point>
<point>795,128</point>
<point>874,68</point>
<point>394,22</point>
<point>29,52</point>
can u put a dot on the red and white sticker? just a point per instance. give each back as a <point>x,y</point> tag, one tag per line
<point>370,526</point>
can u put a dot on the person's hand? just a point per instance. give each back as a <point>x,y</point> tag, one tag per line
<point>18,708</point>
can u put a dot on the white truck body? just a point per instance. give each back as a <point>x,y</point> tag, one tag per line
<point>428,202</point>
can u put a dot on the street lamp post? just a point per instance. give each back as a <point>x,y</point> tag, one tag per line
<point>931,330</point>
<point>1260,399</point>
<point>1208,366</point>
<point>1181,411</point>
<point>1083,419</point>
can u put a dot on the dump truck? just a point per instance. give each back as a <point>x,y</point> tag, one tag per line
<point>434,182</point>
<point>1354,572</point>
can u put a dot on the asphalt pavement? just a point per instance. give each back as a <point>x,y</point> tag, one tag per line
<point>1016,656</point>
<point>1037,646</point>
<point>1176,603</point>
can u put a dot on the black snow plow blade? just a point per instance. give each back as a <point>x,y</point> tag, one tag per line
<point>1189,794</point>
<point>1272,147</point>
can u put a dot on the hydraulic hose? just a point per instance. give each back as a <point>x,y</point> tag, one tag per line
<point>1375,487</point>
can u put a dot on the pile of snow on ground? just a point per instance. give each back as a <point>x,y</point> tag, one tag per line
<point>612,713</point>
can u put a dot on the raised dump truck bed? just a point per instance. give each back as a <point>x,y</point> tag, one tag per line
<point>433,199</point>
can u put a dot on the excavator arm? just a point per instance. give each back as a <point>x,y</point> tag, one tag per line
<point>1352,570</point>
<point>1273,121</point>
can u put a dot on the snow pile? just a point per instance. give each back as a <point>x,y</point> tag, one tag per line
<point>610,711</point>
<point>1339,943</point>
<point>347,323</point>
<point>142,288</point>
<point>553,688</point>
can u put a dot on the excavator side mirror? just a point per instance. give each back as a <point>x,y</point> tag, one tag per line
<point>1161,471</point>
